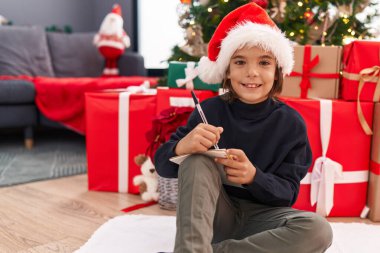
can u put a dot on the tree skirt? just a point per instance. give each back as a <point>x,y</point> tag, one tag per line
<point>150,234</point>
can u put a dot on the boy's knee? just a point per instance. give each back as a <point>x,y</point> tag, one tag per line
<point>198,164</point>
<point>321,231</point>
<point>313,231</point>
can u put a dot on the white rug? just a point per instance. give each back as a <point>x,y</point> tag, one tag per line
<point>151,234</point>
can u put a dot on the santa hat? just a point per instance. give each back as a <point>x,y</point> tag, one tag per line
<point>247,25</point>
<point>115,13</point>
<point>116,9</point>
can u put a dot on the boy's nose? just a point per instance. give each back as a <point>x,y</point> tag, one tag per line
<point>252,71</point>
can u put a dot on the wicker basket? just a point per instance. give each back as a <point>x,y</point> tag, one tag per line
<point>168,190</point>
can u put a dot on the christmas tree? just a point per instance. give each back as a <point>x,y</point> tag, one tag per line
<point>313,22</point>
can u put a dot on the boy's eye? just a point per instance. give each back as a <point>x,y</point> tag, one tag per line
<point>239,62</point>
<point>265,63</point>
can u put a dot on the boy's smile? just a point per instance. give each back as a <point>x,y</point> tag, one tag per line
<point>251,85</point>
<point>252,74</point>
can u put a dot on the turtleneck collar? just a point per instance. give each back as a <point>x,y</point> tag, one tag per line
<point>253,111</point>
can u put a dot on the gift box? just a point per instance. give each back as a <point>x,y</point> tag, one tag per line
<point>167,98</point>
<point>117,122</point>
<point>185,75</point>
<point>315,73</point>
<point>336,184</point>
<point>373,201</point>
<point>361,66</point>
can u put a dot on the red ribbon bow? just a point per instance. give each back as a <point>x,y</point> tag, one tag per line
<point>164,125</point>
<point>306,74</point>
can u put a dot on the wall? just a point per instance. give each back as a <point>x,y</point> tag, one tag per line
<point>81,15</point>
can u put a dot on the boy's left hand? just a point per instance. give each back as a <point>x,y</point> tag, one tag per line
<point>238,167</point>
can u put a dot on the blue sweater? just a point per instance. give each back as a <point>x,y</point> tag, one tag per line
<point>272,135</point>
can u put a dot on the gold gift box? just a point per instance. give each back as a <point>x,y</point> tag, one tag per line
<point>373,200</point>
<point>329,64</point>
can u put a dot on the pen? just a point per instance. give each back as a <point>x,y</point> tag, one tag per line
<point>200,111</point>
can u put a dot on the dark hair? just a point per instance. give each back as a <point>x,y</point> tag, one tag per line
<point>276,89</point>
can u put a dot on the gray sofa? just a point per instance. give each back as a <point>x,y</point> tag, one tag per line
<point>30,51</point>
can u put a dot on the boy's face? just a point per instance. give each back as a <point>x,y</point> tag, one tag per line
<point>252,74</point>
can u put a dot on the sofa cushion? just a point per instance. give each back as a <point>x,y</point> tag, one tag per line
<point>23,51</point>
<point>16,92</point>
<point>74,55</point>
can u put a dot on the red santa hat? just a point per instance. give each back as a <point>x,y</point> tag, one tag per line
<point>248,25</point>
<point>115,13</point>
<point>116,9</point>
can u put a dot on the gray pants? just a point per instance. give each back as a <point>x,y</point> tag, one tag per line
<point>208,220</point>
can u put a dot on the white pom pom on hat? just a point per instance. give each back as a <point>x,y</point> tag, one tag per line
<point>247,25</point>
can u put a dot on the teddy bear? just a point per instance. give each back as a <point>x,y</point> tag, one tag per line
<point>112,40</point>
<point>148,181</point>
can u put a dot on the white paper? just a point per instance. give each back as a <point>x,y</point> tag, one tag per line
<point>222,153</point>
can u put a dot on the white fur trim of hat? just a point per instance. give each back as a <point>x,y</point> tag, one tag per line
<point>234,32</point>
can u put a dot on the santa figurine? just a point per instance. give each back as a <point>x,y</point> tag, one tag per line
<point>112,40</point>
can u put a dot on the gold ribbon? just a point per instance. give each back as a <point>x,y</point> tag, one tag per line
<point>366,75</point>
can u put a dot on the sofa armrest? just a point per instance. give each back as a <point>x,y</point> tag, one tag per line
<point>15,92</point>
<point>132,64</point>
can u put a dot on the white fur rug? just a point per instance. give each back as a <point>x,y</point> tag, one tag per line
<point>151,234</point>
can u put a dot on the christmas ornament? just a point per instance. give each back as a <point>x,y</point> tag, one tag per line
<point>186,1</point>
<point>3,20</point>
<point>183,12</point>
<point>345,10</point>
<point>112,40</point>
<point>277,13</point>
<point>361,6</point>
<point>262,3</point>
<point>204,2</point>
<point>349,10</point>
<point>195,45</point>
<point>309,17</point>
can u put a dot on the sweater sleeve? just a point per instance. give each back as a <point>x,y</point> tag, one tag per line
<point>164,167</point>
<point>279,185</point>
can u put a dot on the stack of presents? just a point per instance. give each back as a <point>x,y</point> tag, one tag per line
<point>335,89</point>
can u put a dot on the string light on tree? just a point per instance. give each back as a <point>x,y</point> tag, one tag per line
<point>304,21</point>
<point>322,22</point>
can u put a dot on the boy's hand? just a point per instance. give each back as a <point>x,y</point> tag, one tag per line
<point>238,168</point>
<point>200,139</point>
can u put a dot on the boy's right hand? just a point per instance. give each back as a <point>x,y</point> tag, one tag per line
<point>200,139</point>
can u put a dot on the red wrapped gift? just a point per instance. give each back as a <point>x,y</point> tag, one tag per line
<point>167,98</point>
<point>337,180</point>
<point>361,65</point>
<point>116,126</point>
<point>374,177</point>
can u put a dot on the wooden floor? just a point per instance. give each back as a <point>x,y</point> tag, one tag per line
<point>60,215</point>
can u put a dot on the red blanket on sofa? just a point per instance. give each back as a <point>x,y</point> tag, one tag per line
<point>62,99</point>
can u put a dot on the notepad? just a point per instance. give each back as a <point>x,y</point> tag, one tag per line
<point>222,153</point>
